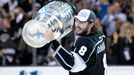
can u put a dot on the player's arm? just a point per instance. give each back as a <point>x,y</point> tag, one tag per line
<point>64,57</point>
<point>74,61</point>
<point>70,60</point>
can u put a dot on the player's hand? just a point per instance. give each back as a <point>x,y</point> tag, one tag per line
<point>49,35</point>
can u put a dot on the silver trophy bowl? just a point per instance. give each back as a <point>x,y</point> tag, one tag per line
<point>56,15</point>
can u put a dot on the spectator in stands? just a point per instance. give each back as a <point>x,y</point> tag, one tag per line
<point>108,22</point>
<point>130,16</point>
<point>7,45</point>
<point>89,4</point>
<point>112,58</point>
<point>123,45</point>
<point>10,5</point>
<point>102,8</point>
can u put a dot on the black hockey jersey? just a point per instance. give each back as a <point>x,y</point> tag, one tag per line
<point>87,57</point>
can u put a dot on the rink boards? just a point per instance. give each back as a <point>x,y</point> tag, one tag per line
<point>57,70</point>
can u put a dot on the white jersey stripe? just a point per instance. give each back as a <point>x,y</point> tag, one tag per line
<point>79,64</point>
<point>94,49</point>
<point>64,61</point>
<point>57,50</point>
<point>66,51</point>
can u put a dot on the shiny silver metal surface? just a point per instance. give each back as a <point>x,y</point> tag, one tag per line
<point>56,15</point>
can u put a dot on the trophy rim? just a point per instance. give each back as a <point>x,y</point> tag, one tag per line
<point>30,40</point>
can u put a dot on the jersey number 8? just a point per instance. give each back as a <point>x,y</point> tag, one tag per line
<point>82,50</point>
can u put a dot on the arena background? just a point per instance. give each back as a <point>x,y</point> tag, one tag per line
<point>114,17</point>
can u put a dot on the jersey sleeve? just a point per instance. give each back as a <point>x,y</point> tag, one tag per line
<point>70,61</point>
<point>74,61</point>
<point>64,57</point>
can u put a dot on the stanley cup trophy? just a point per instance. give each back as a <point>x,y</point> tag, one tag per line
<point>56,15</point>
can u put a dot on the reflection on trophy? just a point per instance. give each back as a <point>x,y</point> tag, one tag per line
<point>56,15</point>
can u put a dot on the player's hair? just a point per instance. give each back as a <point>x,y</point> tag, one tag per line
<point>94,30</point>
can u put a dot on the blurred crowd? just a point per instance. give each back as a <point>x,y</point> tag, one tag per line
<point>114,17</point>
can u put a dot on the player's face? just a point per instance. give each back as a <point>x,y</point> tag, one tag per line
<point>82,28</point>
